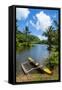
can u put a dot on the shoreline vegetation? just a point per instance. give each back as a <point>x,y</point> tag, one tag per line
<point>25,40</point>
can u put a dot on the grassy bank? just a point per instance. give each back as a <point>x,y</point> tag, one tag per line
<point>37,76</point>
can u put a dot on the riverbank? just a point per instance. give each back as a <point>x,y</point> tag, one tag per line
<point>40,54</point>
<point>38,76</point>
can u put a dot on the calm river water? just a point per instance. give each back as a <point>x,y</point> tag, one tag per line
<point>39,53</point>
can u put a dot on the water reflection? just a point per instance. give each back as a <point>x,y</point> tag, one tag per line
<point>38,53</point>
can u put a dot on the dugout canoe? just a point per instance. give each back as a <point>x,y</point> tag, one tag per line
<point>43,68</point>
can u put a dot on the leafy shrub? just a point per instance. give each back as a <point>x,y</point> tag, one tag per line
<point>53,60</point>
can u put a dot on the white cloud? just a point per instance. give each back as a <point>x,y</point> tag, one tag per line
<point>42,37</point>
<point>31,22</point>
<point>34,25</point>
<point>43,21</point>
<point>22,13</point>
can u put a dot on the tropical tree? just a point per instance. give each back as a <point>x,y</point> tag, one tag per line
<point>52,34</point>
<point>49,34</point>
<point>27,33</point>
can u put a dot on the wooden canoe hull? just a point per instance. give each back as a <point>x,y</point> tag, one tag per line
<point>41,69</point>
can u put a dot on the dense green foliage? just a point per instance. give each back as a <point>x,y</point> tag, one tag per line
<point>53,42</point>
<point>25,39</point>
<point>52,37</point>
<point>43,42</point>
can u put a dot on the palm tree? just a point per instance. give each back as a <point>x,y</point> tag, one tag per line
<point>27,32</point>
<point>49,34</point>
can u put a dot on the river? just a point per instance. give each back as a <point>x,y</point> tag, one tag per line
<point>39,53</point>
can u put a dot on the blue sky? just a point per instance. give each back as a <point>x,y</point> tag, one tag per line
<point>38,20</point>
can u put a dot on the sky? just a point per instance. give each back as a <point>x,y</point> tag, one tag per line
<point>37,20</point>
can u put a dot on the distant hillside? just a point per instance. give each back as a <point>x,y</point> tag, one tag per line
<point>21,37</point>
